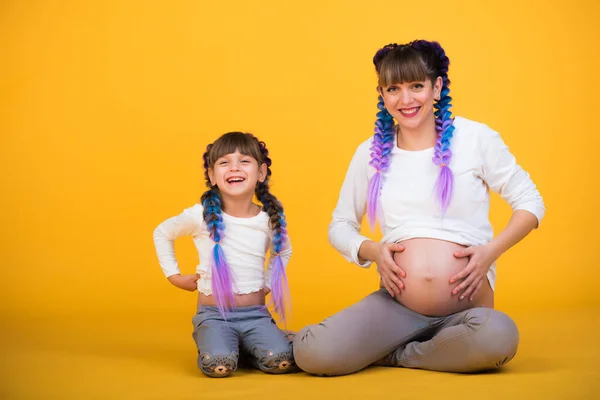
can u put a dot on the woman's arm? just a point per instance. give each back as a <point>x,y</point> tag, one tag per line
<point>503,175</point>
<point>344,230</point>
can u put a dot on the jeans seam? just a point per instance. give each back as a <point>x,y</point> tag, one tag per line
<point>487,317</point>
<point>396,346</point>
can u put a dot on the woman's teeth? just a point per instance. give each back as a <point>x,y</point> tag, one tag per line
<point>409,111</point>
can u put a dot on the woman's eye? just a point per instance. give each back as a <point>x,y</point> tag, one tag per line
<point>391,89</point>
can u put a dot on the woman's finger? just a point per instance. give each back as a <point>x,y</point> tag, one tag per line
<point>397,248</point>
<point>462,273</point>
<point>464,252</point>
<point>476,290</point>
<point>468,293</point>
<point>463,285</point>
<point>388,287</point>
<point>397,282</point>
<point>394,285</point>
<point>397,270</point>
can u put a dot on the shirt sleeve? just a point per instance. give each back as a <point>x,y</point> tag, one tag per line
<point>344,229</point>
<point>504,176</point>
<point>188,223</point>
<point>285,254</point>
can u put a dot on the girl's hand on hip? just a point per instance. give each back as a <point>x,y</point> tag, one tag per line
<point>389,271</point>
<point>185,282</point>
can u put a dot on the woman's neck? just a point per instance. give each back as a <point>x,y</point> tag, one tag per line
<point>420,138</point>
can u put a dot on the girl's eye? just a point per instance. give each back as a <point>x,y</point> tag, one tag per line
<point>222,162</point>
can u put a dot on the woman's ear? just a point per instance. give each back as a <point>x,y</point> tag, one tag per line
<point>437,88</point>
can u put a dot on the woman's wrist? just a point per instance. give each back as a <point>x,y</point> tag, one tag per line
<point>496,249</point>
<point>368,251</point>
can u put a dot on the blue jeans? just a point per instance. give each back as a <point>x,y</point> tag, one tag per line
<point>250,328</point>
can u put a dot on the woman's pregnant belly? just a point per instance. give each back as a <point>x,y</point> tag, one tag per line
<point>429,264</point>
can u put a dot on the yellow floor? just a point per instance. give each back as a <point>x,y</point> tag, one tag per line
<point>153,357</point>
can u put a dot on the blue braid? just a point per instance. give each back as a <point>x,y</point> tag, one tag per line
<point>213,215</point>
<point>439,63</point>
<point>221,277</point>
<point>444,122</point>
<point>381,148</point>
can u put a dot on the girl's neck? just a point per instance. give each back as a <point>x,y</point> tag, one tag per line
<point>417,139</point>
<point>240,209</point>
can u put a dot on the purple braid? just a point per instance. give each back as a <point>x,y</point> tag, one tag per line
<point>221,277</point>
<point>277,222</point>
<point>382,145</point>
<point>444,185</point>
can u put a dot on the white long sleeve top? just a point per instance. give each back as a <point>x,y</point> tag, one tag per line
<point>480,161</point>
<point>245,243</point>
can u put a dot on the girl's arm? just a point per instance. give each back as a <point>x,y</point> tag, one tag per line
<point>188,223</point>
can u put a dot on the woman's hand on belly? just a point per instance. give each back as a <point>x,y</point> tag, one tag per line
<point>387,268</point>
<point>473,276</point>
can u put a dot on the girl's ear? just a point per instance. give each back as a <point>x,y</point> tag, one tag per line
<point>211,177</point>
<point>262,172</point>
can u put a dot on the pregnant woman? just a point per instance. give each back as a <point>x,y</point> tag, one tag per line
<point>426,180</point>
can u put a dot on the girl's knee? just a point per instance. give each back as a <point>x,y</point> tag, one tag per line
<point>276,362</point>
<point>218,366</point>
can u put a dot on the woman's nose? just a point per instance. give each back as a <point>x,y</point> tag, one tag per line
<point>406,97</point>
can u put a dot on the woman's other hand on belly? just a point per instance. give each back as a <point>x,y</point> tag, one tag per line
<point>473,276</point>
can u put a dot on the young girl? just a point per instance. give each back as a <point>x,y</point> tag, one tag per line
<point>232,235</point>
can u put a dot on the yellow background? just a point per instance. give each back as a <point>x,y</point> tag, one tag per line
<point>107,106</point>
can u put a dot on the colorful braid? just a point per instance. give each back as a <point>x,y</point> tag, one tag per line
<point>277,222</point>
<point>381,147</point>
<point>444,185</point>
<point>221,277</point>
